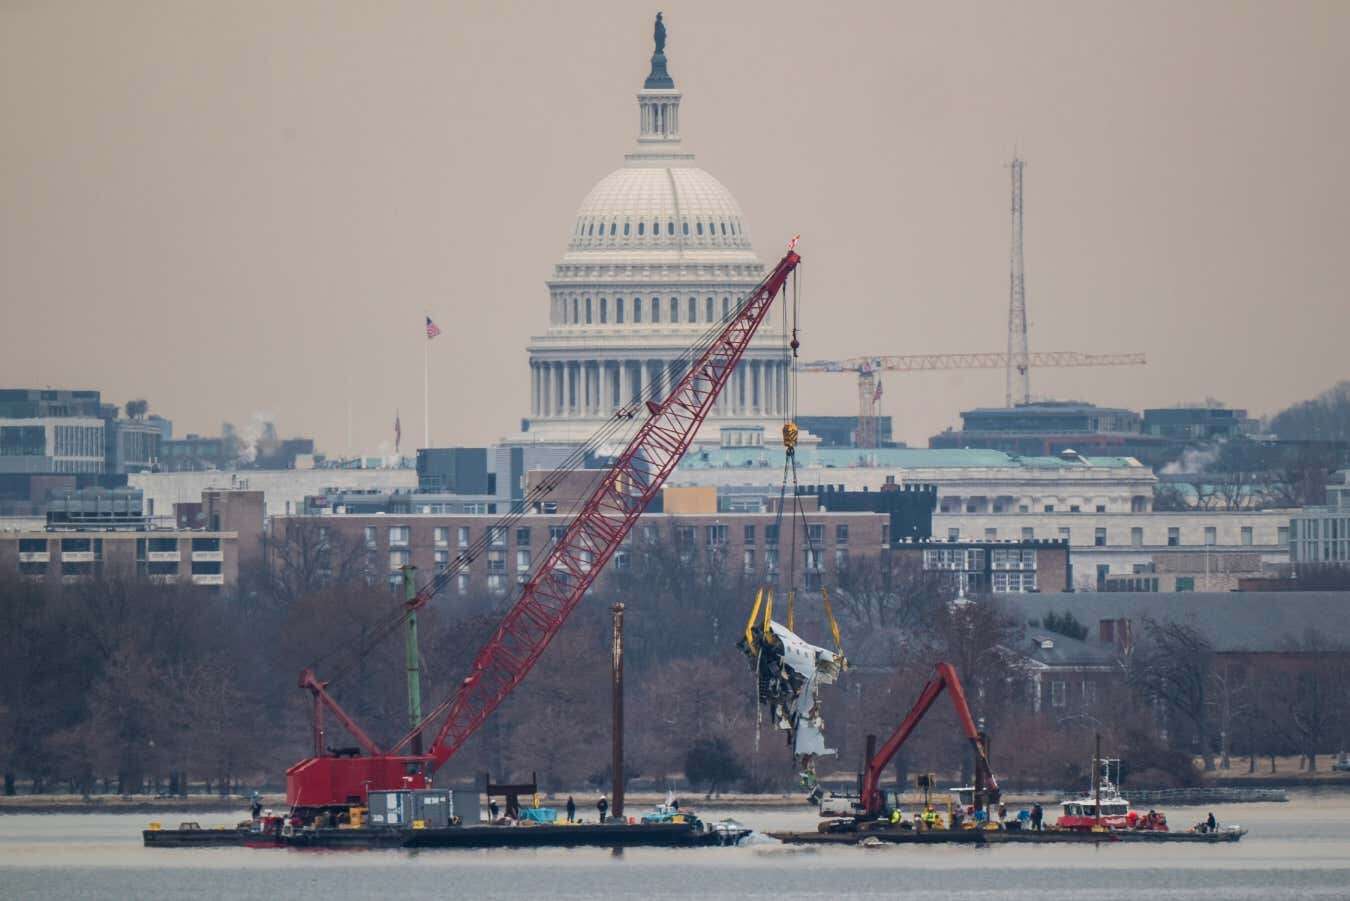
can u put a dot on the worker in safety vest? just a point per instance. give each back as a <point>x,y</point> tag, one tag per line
<point>929,817</point>
<point>895,817</point>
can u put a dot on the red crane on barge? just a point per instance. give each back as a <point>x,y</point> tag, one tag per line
<point>333,779</point>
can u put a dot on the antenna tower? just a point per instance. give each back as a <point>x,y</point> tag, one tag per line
<point>1019,384</point>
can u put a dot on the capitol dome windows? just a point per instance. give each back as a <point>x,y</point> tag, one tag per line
<point>685,227</point>
<point>670,226</point>
<point>588,311</point>
<point>674,309</point>
<point>604,310</point>
<point>693,310</point>
<point>726,307</point>
<point>613,228</point>
<point>656,309</point>
<point>641,226</point>
<point>708,310</point>
<point>625,229</point>
<point>575,319</point>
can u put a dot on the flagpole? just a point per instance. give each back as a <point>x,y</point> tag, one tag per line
<point>426,387</point>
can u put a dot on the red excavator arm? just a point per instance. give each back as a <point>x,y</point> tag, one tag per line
<point>986,787</point>
<point>560,580</point>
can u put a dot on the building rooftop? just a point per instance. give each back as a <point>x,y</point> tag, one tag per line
<point>1231,621</point>
<point>894,457</point>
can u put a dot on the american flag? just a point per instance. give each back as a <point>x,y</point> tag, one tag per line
<point>876,395</point>
<point>432,329</point>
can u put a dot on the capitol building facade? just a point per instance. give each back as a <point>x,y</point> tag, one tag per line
<point>658,255</point>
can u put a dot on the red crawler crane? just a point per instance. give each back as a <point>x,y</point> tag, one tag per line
<point>557,584</point>
<point>873,801</point>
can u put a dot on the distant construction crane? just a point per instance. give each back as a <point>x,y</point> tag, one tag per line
<point>869,385</point>
<point>1018,361</point>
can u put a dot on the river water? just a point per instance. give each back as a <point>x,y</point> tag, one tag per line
<point>1293,851</point>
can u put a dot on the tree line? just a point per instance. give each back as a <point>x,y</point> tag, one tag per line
<point>118,684</point>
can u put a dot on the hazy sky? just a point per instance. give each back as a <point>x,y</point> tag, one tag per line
<point>233,207</point>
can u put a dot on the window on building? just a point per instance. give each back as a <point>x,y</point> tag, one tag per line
<point>370,536</point>
<point>815,532</point>
<point>1099,536</point>
<point>771,534</point>
<point>1058,694</point>
<point>885,534</point>
<point>1064,534</point>
<point>674,309</point>
<point>670,227</point>
<point>462,583</point>
<point>748,536</point>
<point>650,535</point>
<point>1282,534</point>
<point>1101,508</point>
<point>588,311</point>
<point>1013,582</point>
<point>954,533</point>
<point>496,536</point>
<point>625,229</point>
<point>1074,508</point>
<point>991,534</point>
<point>1089,693</point>
<point>656,309</point>
<point>576,317</point>
<point>1137,536</point>
<point>1211,535</point>
<point>708,310</point>
<point>462,536</point>
<point>1173,536</point>
<point>1246,534</point>
<point>1049,508</point>
<point>441,536</point>
<point>841,533</point>
<point>716,535</point>
<point>399,535</point>
<point>684,228</point>
<point>692,311</point>
<point>726,308</point>
<point>399,559</point>
<point>698,228</point>
<point>771,559</point>
<point>441,559</point>
<point>637,310</point>
<point>642,228</point>
<point>618,309</point>
<point>684,542</point>
<point>1028,533</point>
<point>748,561</point>
<point>604,309</point>
<point>840,559</point>
<point>1185,583</point>
<point>555,533</point>
<point>523,560</point>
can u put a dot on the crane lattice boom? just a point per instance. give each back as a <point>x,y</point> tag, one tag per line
<point>562,577</point>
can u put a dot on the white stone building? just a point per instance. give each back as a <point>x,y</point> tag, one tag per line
<point>659,253</point>
<point>1322,534</point>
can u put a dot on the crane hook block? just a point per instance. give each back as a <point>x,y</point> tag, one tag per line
<point>790,437</point>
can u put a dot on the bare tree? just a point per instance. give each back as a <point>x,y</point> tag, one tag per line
<point>1175,665</point>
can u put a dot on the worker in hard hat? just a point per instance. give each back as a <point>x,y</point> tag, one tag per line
<point>895,816</point>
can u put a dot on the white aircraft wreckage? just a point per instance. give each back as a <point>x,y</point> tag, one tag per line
<point>791,672</point>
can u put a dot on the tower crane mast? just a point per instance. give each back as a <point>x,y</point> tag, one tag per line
<point>869,385</point>
<point>554,588</point>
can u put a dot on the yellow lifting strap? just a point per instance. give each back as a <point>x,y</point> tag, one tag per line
<point>834,626</point>
<point>768,615</point>
<point>764,600</point>
<point>750,623</point>
<point>791,619</point>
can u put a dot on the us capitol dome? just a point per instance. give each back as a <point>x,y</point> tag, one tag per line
<point>657,254</point>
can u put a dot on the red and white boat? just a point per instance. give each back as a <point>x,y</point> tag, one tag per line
<point>1103,806</point>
